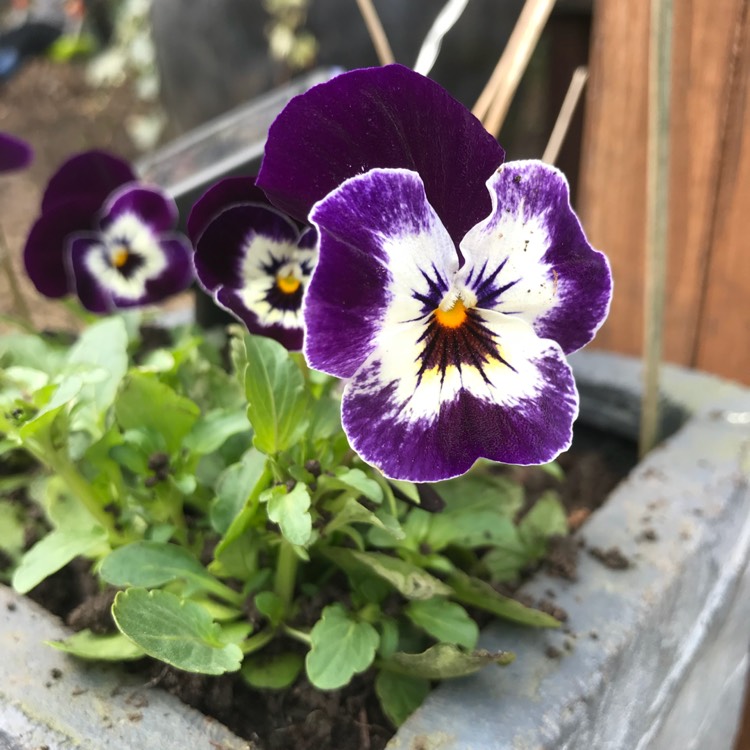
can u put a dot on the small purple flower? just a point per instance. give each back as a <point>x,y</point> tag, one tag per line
<point>252,259</point>
<point>106,237</point>
<point>14,153</point>
<point>448,288</point>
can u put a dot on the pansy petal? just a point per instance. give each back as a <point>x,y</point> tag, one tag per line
<point>14,153</point>
<point>158,267</point>
<point>530,257</point>
<point>233,301</point>
<point>225,193</point>
<point>151,205</point>
<point>94,174</point>
<point>380,117</point>
<point>517,408</point>
<point>227,239</point>
<point>46,246</point>
<point>385,259</point>
<point>83,256</point>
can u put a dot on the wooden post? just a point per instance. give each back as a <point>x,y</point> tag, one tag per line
<point>707,320</point>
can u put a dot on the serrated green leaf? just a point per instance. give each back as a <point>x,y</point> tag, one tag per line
<point>272,671</point>
<point>410,580</point>
<point>176,631</point>
<point>400,695</point>
<point>211,431</point>
<point>277,399</point>
<point>151,564</point>
<point>341,647</point>
<point>445,621</point>
<point>146,404</point>
<point>477,593</point>
<point>444,661</point>
<point>109,647</point>
<point>291,510</point>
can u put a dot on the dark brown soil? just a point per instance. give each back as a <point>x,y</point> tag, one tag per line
<point>613,557</point>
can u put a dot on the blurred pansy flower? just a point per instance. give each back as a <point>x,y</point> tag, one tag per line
<point>448,288</point>
<point>14,153</point>
<point>253,260</point>
<point>106,237</point>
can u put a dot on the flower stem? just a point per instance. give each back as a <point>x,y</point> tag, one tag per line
<point>376,31</point>
<point>286,573</point>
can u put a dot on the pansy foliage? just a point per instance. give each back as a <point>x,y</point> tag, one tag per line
<point>449,287</point>
<point>253,260</point>
<point>106,237</point>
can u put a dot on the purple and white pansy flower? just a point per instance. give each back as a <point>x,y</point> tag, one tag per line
<point>252,259</point>
<point>14,153</point>
<point>106,237</point>
<point>449,287</point>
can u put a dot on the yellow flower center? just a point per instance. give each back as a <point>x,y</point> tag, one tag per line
<point>120,257</point>
<point>287,284</point>
<point>452,318</point>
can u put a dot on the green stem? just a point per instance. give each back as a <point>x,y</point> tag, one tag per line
<point>286,573</point>
<point>298,635</point>
<point>257,641</point>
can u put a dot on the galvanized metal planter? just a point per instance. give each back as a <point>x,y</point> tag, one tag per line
<point>654,656</point>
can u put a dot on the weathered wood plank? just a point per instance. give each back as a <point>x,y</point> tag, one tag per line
<point>708,184</point>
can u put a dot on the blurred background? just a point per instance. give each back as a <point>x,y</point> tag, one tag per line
<point>132,75</point>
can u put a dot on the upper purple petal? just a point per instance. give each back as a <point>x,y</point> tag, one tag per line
<point>14,153</point>
<point>381,117</point>
<point>221,247</point>
<point>225,193</point>
<point>152,205</point>
<point>94,174</point>
<point>47,244</point>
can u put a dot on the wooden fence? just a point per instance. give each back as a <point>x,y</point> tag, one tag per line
<point>708,304</point>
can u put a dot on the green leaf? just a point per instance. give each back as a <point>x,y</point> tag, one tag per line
<point>352,511</point>
<point>103,345</point>
<point>445,621</point>
<point>410,580</point>
<point>477,593</point>
<point>88,645</point>
<point>341,647</point>
<point>291,510</point>
<point>545,519</point>
<point>151,564</point>
<point>468,528</point>
<point>12,525</point>
<point>353,479</point>
<point>270,605</point>
<point>211,431</point>
<point>272,671</point>
<point>400,695</point>
<point>145,403</point>
<point>176,631</point>
<point>54,552</point>
<point>444,661</point>
<point>277,399</point>
<point>235,486</point>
